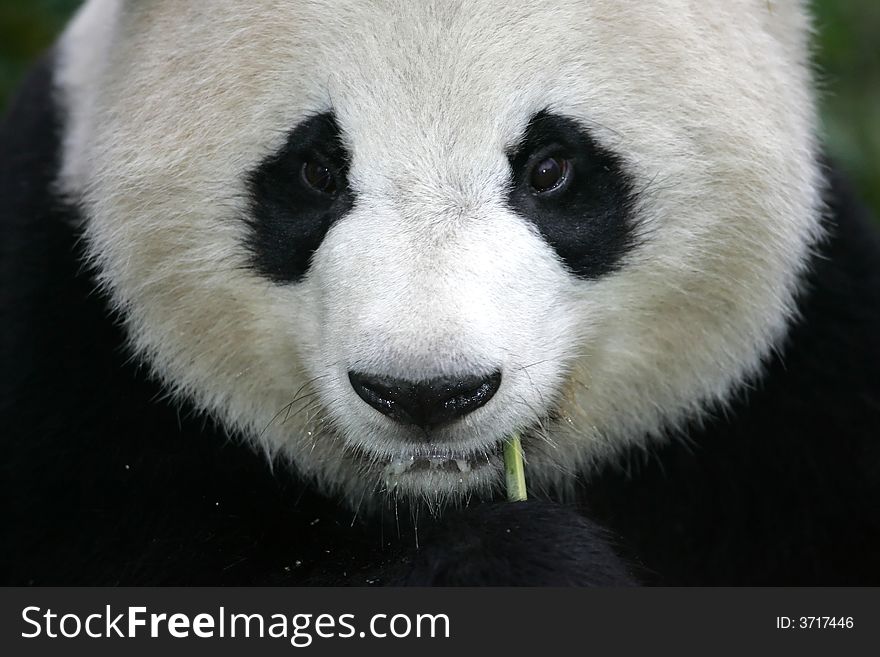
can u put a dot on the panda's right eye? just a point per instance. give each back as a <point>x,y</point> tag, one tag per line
<point>318,178</point>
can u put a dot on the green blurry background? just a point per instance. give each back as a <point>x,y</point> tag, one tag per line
<point>847,51</point>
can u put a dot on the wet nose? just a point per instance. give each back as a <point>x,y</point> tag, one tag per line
<point>427,403</point>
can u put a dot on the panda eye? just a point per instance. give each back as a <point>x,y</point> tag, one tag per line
<point>550,175</point>
<point>319,178</point>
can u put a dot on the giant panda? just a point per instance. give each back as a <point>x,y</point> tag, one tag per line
<point>279,280</point>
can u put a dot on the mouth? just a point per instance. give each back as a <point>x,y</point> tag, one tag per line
<point>431,472</point>
<point>437,462</point>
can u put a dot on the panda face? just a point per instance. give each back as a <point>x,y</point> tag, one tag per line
<point>443,297</point>
<point>379,238</point>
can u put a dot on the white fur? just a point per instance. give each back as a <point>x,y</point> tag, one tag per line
<point>709,103</point>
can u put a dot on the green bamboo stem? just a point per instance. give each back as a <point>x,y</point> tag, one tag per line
<point>514,470</point>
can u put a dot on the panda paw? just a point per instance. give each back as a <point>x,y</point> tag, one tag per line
<point>520,544</point>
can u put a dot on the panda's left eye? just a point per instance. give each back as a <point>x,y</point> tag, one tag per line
<point>550,175</point>
<point>318,177</point>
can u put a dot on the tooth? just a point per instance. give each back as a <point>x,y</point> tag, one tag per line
<point>397,467</point>
<point>463,465</point>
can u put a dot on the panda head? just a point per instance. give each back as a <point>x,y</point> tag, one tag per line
<point>378,238</point>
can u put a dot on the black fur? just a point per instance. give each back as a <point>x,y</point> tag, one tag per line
<point>285,211</point>
<point>106,483</point>
<point>523,544</point>
<point>784,486</point>
<point>591,224</point>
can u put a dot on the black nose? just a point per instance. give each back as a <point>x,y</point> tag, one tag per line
<point>426,404</point>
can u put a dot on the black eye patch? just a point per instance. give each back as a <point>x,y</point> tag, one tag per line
<point>296,195</point>
<point>590,221</point>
